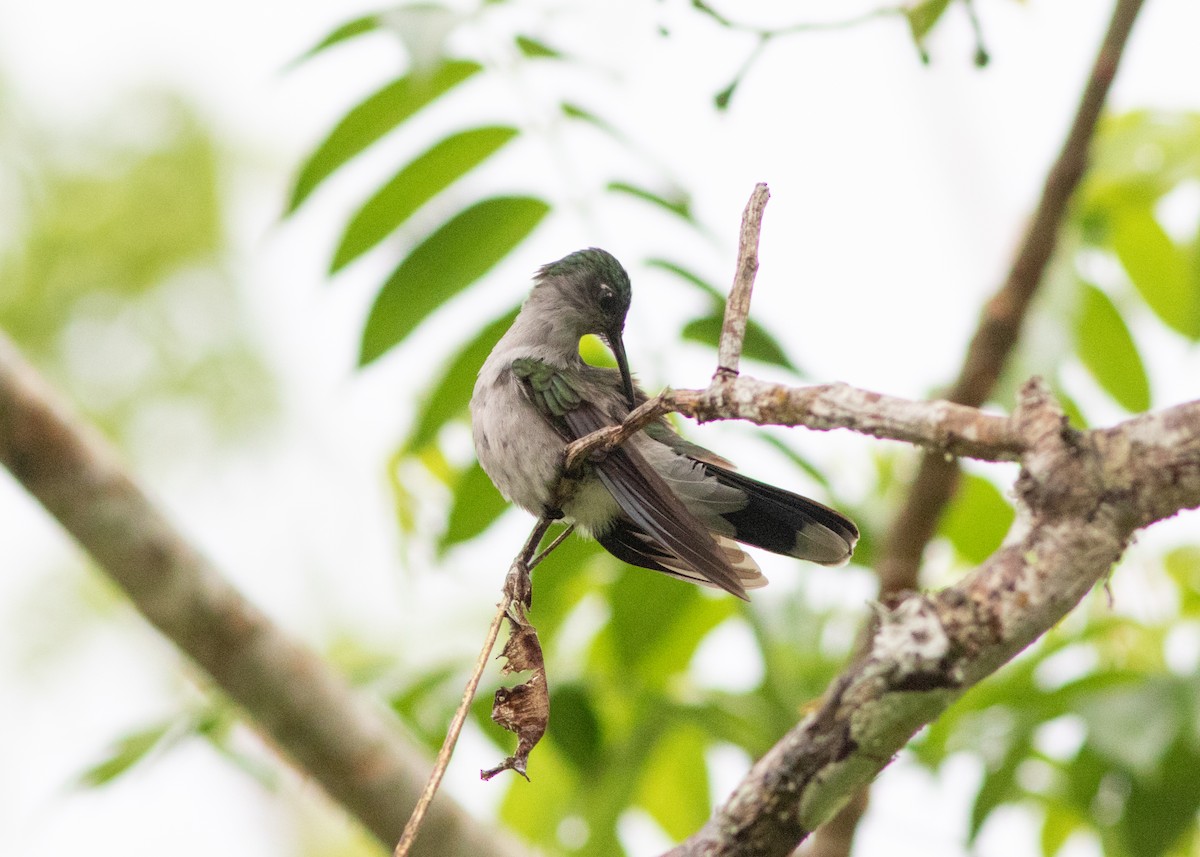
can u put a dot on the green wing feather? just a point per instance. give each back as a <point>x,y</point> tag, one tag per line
<point>554,390</point>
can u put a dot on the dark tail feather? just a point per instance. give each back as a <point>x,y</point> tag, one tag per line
<point>786,523</point>
<point>628,543</point>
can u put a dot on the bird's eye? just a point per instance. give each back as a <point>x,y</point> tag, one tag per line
<point>607,300</point>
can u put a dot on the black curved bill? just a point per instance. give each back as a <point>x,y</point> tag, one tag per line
<point>618,350</point>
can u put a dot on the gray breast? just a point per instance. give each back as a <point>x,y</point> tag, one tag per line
<point>517,448</point>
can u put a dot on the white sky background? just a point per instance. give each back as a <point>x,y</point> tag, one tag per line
<point>898,193</point>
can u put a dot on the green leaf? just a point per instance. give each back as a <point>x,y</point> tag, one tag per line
<point>998,787</point>
<point>1157,268</point>
<point>1162,809</point>
<point>426,704</point>
<point>1107,349</point>
<point>533,49</point>
<point>687,276</point>
<point>656,627</point>
<point>575,111</point>
<point>582,114</point>
<point>1057,827</point>
<point>594,352</point>
<point>922,17</point>
<point>645,608</point>
<point>758,344</point>
<point>417,183</point>
<point>1075,416</point>
<point>674,785</point>
<point>1134,726</point>
<point>1138,157</point>
<point>379,113</point>
<point>476,505</point>
<point>675,651</point>
<point>348,30</point>
<point>679,205</point>
<point>575,725</point>
<point>456,255</point>
<point>978,519</point>
<point>1183,565</point>
<point>129,750</point>
<point>567,577</point>
<point>534,810</point>
<point>794,457</point>
<point>722,99</point>
<point>448,396</point>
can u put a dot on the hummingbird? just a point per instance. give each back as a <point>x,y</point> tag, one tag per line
<point>657,501</point>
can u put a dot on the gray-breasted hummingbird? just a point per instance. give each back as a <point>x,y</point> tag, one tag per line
<point>656,501</point>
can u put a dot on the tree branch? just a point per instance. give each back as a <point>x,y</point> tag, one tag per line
<point>737,308</point>
<point>1081,496</point>
<point>600,443</point>
<point>942,427</point>
<point>1000,325</point>
<point>349,746</point>
<point>999,328</point>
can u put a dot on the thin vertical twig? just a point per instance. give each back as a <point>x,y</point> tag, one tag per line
<point>522,565</point>
<point>733,328</point>
<point>413,827</point>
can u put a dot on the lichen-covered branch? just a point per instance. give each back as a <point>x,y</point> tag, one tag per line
<point>1081,496</point>
<point>299,703</point>
<point>943,427</point>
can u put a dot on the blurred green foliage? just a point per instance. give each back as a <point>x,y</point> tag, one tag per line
<point>634,724</point>
<point>116,272</point>
<point>116,280</point>
<point>631,725</point>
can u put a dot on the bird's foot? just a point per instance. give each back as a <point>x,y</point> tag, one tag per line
<point>518,585</point>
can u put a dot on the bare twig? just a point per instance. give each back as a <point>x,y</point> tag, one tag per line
<point>413,827</point>
<point>801,26</point>
<point>522,564</point>
<point>1000,326</point>
<point>290,694</point>
<point>558,540</point>
<point>737,309</point>
<point>600,443</point>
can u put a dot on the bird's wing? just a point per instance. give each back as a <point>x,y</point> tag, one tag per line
<point>553,391</point>
<point>629,543</point>
<point>767,517</point>
<point>641,493</point>
<point>661,431</point>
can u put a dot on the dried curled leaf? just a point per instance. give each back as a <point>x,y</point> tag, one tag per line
<point>524,709</point>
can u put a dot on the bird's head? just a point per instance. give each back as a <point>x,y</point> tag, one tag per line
<point>593,291</point>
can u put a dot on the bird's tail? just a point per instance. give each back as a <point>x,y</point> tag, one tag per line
<point>786,523</point>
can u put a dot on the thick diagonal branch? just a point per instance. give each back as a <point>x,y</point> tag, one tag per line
<point>302,706</point>
<point>1081,496</point>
